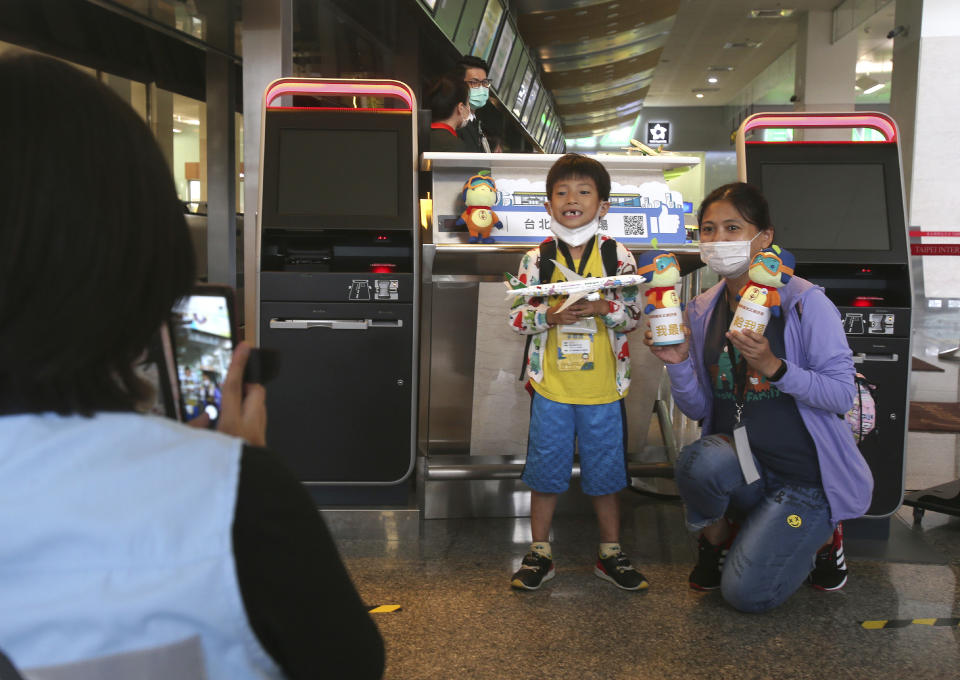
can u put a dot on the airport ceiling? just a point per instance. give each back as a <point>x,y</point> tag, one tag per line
<point>604,60</point>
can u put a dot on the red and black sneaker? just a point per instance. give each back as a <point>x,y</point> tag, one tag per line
<point>620,572</point>
<point>830,570</point>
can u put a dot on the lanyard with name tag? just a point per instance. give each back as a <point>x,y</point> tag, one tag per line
<point>740,440</point>
<point>575,342</point>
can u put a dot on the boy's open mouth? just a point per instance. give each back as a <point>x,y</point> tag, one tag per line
<point>572,213</point>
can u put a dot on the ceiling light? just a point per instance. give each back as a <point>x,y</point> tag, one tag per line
<point>742,43</point>
<point>713,79</point>
<point>770,13</point>
<point>699,95</point>
<point>719,68</point>
<point>177,130</point>
<point>869,66</point>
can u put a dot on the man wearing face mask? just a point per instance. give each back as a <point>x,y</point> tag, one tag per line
<point>448,101</point>
<point>473,71</point>
<point>773,454</point>
<point>578,363</point>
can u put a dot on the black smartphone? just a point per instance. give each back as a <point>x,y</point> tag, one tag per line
<point>202,329</point>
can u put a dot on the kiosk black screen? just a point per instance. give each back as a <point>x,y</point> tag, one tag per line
<point>836,206</point>
<point>365,177</point>
<point>337,169</point>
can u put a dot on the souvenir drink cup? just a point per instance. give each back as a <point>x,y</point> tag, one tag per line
<point>666,325</point>
<point>750,315</point>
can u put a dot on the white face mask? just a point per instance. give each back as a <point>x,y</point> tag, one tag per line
<point>580,235</point>
<point>729,259</point>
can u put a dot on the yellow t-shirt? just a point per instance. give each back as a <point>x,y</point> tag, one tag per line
<point>597,385</point>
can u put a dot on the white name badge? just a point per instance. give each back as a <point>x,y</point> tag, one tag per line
<point>744,454</point>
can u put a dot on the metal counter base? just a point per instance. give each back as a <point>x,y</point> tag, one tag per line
<point>490,486</point>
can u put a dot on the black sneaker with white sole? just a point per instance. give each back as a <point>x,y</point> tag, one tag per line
<point>830,570</point>
<point>533,571</point>
<point>708,570</point>
<point>620,572</point>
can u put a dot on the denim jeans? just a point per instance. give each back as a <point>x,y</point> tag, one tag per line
<point>777,543</point>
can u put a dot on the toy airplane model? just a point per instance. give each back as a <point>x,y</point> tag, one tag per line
<point>575,286</point>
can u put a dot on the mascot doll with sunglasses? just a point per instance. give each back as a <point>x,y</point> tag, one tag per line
<point>770,269</point>
<point>479,194</point>
<point>663,310</point>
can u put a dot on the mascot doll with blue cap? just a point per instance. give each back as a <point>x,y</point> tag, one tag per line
<point>663,272</point>
<point>479,195</point>
<point>770,269</point>
<point>663,310</point>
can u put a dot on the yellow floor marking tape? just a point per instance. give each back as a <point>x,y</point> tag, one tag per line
<point>384,609</point>
<point>903,623</point>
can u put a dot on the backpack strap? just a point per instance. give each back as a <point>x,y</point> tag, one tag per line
<point>608,255</point>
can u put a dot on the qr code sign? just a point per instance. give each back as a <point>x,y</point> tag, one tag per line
<point>635,225</point>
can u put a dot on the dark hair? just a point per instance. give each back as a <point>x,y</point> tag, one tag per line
<point>578,165</point>
<point>95,250</point>
<point>443,96</point>
<point>747,200</point>
<point>469,61</point>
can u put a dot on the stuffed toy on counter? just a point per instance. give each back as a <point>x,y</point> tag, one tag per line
<point>480,195</point>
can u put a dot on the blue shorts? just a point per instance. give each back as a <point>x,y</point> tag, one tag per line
<point>599,430</point>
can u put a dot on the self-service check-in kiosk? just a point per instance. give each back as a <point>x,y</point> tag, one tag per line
<point>838,206</point>
<point>339,284</point>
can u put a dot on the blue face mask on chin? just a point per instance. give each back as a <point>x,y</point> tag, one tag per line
<point>479,96</point>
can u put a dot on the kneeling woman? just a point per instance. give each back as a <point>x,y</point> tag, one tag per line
<point>787,387</point>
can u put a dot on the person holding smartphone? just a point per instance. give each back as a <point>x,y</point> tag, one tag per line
<point>125,532</point>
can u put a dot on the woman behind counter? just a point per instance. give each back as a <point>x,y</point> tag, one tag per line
<point>789,385</point>
<point>124,532</point>
<point>449,104</point>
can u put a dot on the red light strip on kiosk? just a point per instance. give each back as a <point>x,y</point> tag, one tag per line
<point>875,121</point>
<point>880,122</point>
<point>343,88</point>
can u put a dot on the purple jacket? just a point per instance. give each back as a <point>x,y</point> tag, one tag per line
<point>819,377</point>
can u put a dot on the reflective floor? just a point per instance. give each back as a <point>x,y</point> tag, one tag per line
<point>460,619</point>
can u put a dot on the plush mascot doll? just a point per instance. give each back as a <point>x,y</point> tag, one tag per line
<point>771,269</point>
<point>664,311</point>
<point>479,195</point>
<point>663,271</point>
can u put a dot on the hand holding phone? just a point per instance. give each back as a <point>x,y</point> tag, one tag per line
<point>244,407</point>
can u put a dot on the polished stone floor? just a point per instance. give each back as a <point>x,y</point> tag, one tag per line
<point>459,617</point>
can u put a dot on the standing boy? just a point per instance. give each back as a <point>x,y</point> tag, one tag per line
<point>579,368</point>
